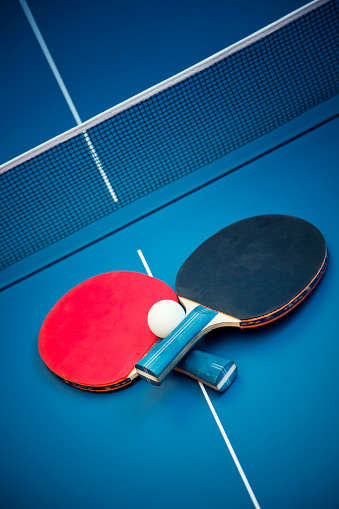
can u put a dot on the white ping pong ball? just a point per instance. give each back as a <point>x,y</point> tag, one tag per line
<point>164,317</point>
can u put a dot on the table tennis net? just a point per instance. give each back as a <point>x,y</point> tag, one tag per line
<point>203,114</point>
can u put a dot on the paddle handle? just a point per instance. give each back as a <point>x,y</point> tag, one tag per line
<point>163,357</point>
<point>216,372</point>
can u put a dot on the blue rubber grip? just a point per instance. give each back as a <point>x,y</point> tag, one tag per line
<point>209,369</point>
<point>165,356</point>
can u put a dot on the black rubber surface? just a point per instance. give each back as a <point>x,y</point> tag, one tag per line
<point>253,267</point>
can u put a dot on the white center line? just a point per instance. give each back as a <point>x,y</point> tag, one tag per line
<point>145,264</point>
<point>216,417</point>
<point>230,448</point>
<point>99,166</point>
<point>66,95</point>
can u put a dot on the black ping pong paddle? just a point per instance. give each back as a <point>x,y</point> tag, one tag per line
<point>248,274</point>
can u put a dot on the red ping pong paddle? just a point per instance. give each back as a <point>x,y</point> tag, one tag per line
<point>95,334</point>
<point>248,274</point>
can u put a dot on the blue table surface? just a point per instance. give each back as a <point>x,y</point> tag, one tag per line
<point>149,446</point>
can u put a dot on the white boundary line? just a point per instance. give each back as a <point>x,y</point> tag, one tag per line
<point>215,415</point>
<point>161,86</point>
<point>66,95</point>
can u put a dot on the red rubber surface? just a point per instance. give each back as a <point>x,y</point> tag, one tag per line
<point>96,333</point>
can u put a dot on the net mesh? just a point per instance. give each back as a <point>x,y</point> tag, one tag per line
<point>174,132</point>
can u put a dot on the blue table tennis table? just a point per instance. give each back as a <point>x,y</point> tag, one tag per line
<point>251,130</point>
